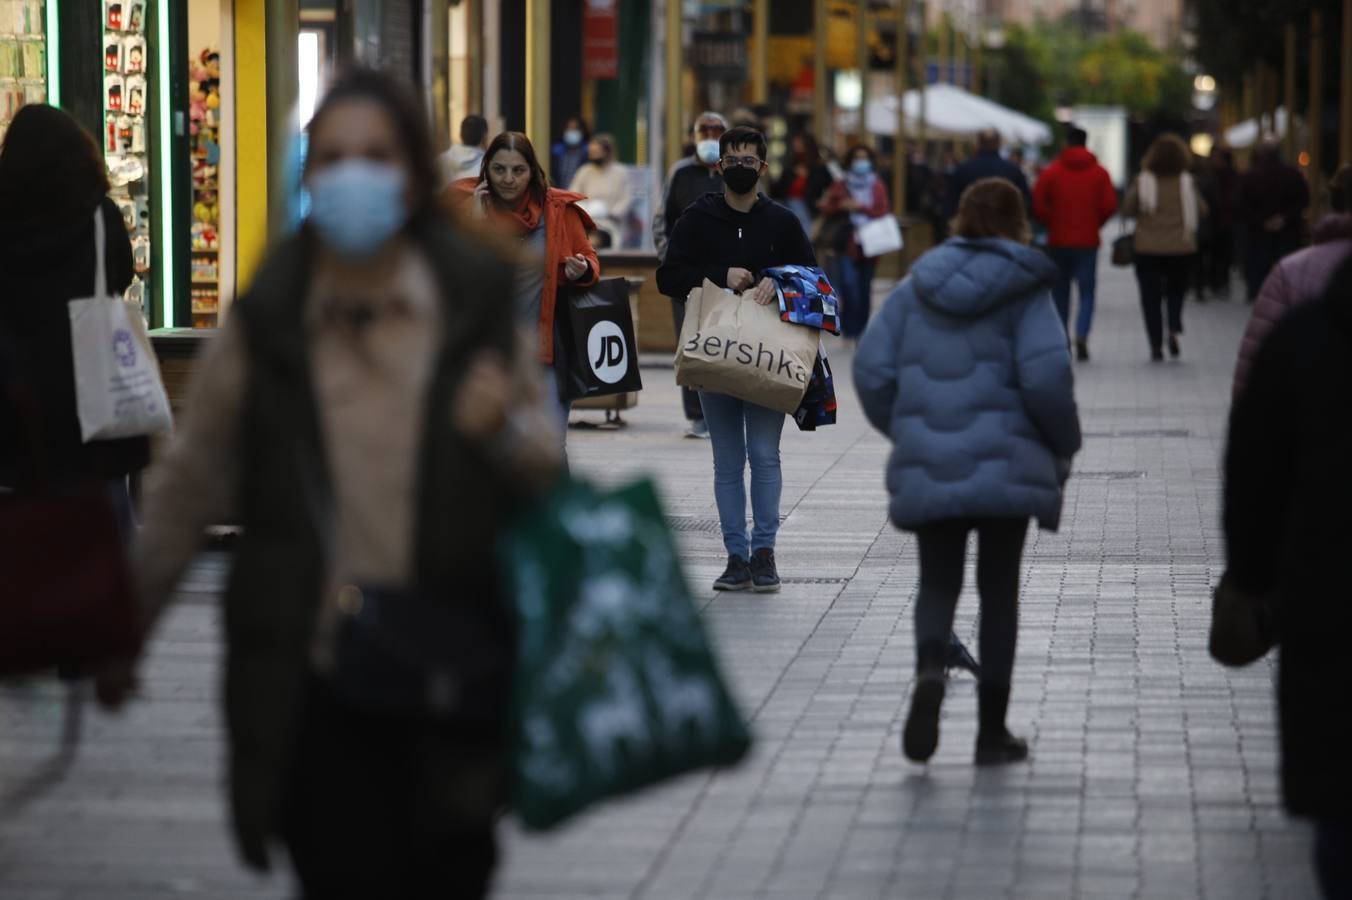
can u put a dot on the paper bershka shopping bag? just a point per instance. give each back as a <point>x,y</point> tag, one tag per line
<point>732,345</point>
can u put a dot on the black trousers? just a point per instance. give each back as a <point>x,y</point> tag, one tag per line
<point>689,399</point>
<point>943,552</point>
<point>1162,278</point>
<point>377,807</point>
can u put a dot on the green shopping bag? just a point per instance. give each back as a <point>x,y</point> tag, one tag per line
<point>616,686</point>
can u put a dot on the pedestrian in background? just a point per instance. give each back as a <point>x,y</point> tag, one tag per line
<point>987,163</point>
<point>1273,197</point>
<point>1075,197</point>
<point>370,415</point>
<point>858,198</point>
<point>690,179</point>
<point>803,181</point>
<point>1288,489</point>
<point>52,185</point>
<point>570,153</point>
<point>966,371</point>
<point>1168,211</point>
<point>731,239</point>
<point>607,188</point>
<point>513,196</point>
<point>1221,203</point>
<point>1300,277</point>
<point>465,159</point>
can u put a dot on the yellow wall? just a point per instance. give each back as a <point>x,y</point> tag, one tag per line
<point>251,133</point>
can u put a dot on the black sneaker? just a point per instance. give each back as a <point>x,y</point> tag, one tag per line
<point>736,577</point>
<point>921,736</point>
<point>1174,349</point>
<point>763,573</point>
<point>1082,351</point>
<point>1003,748</point>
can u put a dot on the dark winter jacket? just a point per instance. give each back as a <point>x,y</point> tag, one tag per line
<point>712,237</point>
<point>1288,489</point>
<point>1074,197</point>
<point>1297,278</point>
<point>818,181</point>
<point>986,164</point>
<point>1273,188</point>
<point>966,371</point>
<point>40,272</point>
<point>688,181</point>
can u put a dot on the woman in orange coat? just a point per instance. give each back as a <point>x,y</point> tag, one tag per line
<point>513,195</point>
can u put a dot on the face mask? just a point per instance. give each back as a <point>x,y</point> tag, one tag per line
<point>357,205</point>
<point>861,167</point>
<point>572,137</point>
<point>707,151</point>
<point>741,179</point>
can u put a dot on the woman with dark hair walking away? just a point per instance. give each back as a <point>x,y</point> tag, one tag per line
<point>804,181</point>
<point>52,185</point>
<point>512,195</point>
<point>1168,210</point>
<point>859,197</point>
<point>366,411</point>
<point>967,372</point>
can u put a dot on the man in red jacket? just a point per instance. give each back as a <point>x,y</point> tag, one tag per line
<point>1075,197</point>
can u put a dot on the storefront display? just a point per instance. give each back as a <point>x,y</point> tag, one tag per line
<point>23,57</point>
<point>204,116</point>
<point>126,64</point>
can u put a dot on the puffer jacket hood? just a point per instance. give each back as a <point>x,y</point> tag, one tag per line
<point>1077,158</point>
<point>969,277</point>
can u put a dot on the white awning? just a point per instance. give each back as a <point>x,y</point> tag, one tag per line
<point>1246,133</point>
<point>951,112</point>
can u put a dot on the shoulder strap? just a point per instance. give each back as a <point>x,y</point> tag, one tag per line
<point>100,254</point>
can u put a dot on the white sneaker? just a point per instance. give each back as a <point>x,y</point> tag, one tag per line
<point>698,429</point>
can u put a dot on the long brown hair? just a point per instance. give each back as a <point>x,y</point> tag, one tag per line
<point>1168,156</point>
<point>992,208</point>
<point>51,171</point>
<point>515,140</point>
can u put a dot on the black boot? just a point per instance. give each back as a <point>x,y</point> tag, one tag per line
<point>921,736</point>
<point>956,656</point>
<point>994,744</point>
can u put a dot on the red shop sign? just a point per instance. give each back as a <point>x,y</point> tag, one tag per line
<point>600,39</point>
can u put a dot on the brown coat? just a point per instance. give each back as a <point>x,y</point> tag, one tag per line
<point>1162,233</point>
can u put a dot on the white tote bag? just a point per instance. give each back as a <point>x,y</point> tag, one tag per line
<point>118,391</point>
<point>879,236</point>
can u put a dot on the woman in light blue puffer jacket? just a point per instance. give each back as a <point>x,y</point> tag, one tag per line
<point>967,371</point>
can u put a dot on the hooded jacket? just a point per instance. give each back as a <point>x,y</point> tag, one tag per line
<point>1296,279</point>
<point>712,237</point>
<point>1287,532</point>
<point>42,269</point>
<point>966,371</point>
<point>1074,197</point>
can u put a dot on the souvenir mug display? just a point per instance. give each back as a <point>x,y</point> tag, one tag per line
<point>126,64</point>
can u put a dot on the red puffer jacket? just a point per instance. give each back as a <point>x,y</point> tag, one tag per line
<point>1074,197</point>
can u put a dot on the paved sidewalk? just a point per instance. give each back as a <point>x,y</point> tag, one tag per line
<point>1153,770</point>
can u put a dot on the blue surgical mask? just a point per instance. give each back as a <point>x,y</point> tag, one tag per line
<point>572,137</point>
<point>707,151</point>
<point>357,205</point>
<point>861,167</point>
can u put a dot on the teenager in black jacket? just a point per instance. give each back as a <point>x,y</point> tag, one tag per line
<point>1288,492</point>
<point>731,239</point>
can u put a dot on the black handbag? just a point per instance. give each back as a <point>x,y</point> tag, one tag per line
<point>1124,248</point>
<point>1243,629</point>
<point>402,652</point>
<point>596,351</point>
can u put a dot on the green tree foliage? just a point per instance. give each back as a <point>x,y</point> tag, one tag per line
<point>1056,64</point>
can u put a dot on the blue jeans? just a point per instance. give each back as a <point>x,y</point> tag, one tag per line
<point>741,431</point>
<point>1080,264</point>
<point>856,293</point>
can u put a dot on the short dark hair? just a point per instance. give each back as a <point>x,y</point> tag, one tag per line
<point>51,171</point>
<point>992,208</point>
<point>515,140</point>
<point>398,98</point>
<point>742,136</point>
<point>1076,136</point>
<point>473,130</point>
<point>862,148</point>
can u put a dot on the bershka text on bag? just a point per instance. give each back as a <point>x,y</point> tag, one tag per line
<point>785,365</point>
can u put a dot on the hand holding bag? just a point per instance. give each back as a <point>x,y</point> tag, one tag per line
<point>118,390</point>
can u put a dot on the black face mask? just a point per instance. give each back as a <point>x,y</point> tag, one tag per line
<point>741,179</point>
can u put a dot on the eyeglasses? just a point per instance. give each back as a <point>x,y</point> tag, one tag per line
<point>750,162</point>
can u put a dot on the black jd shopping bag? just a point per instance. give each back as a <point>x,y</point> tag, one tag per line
<point>599,354</point>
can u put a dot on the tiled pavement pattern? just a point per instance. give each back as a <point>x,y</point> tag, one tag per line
<point>1153,770</point>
